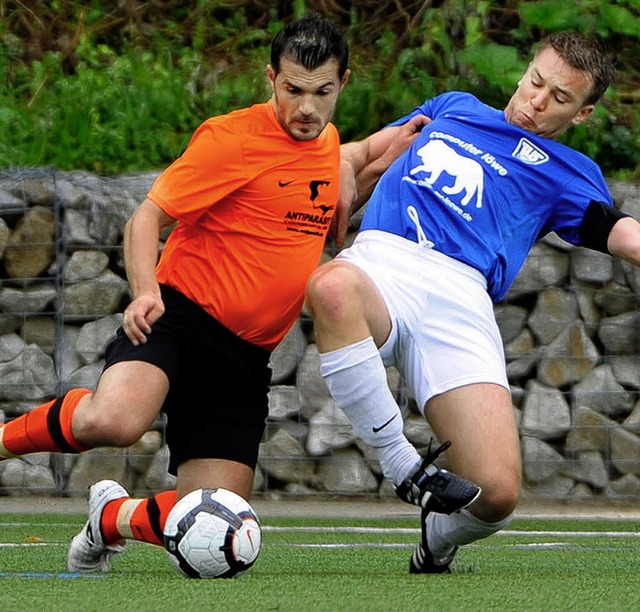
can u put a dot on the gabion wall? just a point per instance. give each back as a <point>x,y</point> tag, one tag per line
<point>570,325</point>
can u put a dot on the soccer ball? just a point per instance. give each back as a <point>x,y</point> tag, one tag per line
<point>212,533</point>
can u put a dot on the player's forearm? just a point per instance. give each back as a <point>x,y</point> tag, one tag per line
<point>368,178</point>
<point>363,163</point>
<point>370,158</point>
<point>141,239</point>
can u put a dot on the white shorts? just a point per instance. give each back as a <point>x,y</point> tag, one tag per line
<point>444,334</point>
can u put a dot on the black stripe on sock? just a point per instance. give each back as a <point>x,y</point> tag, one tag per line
<point>55,429</point>
<point>153,512</point>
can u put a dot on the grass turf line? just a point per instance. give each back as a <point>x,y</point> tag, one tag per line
<point>336,569</point>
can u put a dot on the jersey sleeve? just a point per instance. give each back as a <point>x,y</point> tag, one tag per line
<point>586,215</point>
<point>211,168</point>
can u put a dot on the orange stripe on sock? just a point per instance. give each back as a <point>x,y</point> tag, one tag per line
<point>109,521</point>
<point>149,518</point>
<point>29,433</point>
<point>39,430</point>
<point>166,501</point>
<point>69,405</point>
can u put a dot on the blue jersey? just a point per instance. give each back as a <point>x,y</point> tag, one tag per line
<point>482,191</point>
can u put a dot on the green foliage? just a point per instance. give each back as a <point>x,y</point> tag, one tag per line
<point>117,112</point>
<point>494,63</point>
<point>601,16</point>
<point>114,87</point>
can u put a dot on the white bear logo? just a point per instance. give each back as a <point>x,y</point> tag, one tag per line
<point>438,157</point>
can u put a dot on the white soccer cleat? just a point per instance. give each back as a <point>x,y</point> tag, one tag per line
<point>87,552</point>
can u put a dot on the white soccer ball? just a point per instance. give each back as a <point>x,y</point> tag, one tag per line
<point>212,533</point>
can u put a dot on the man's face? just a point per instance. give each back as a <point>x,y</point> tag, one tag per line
<point>304,100</point>
<point>550,96</point>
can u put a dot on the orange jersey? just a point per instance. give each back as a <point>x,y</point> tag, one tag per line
<point>254,206</point>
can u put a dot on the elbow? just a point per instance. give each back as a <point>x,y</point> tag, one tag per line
<point>624,240</point>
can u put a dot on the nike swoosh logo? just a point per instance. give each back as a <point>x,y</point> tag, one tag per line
<point>377,429</point>
<point>284,183</point>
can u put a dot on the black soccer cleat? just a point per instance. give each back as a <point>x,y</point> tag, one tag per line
<point>437,490</point>
<point>422,561</point>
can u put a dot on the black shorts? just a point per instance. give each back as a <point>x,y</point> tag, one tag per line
<point>217,403</point>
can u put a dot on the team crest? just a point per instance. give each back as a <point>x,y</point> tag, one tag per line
<point>527,152</point>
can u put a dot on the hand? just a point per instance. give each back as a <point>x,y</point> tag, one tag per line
<point>140,315</point>
<point>405,137</point>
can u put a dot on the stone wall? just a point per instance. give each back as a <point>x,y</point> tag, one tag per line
<point>570,325</point>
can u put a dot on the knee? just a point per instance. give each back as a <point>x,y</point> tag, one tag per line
<point>498,499</point>
<point>101,428</point>
<point>330,290</point>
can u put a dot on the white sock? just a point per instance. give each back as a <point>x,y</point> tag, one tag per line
<point>447,531</point>
<point>357,380</point>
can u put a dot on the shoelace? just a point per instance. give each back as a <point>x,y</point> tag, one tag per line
<point>431,456</point>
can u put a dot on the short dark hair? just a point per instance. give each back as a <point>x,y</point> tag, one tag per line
<point>310,41</point>
<point>584,52</point>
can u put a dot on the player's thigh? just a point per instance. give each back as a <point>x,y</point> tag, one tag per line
<point>480,422</point>
<point>214,473</point>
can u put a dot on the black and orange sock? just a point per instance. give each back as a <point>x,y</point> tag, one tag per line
<point>138,519</point>
<point>109,520</point>
<point>45,428</point>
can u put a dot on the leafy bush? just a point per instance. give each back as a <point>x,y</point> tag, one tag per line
<point>113,87</point>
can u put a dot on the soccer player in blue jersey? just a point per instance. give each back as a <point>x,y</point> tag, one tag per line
<point>448,226</point>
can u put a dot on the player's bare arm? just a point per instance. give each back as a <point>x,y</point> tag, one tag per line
<point>141,236</point>
<point>624,240</point>
<point>363,163</point>
<point>372,156</point>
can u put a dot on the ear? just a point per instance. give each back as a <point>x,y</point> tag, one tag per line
<point>345,79</point>
<point>582,114</point>
<point>271,75</point>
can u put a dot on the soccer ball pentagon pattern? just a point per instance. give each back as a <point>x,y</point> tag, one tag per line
<point>212,533</point>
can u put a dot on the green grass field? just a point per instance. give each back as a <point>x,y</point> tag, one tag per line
<point>329,564</point>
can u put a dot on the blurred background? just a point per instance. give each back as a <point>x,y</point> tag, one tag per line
<point>119,86</point>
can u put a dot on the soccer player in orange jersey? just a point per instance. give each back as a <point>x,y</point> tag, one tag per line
<point>253,196</point>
